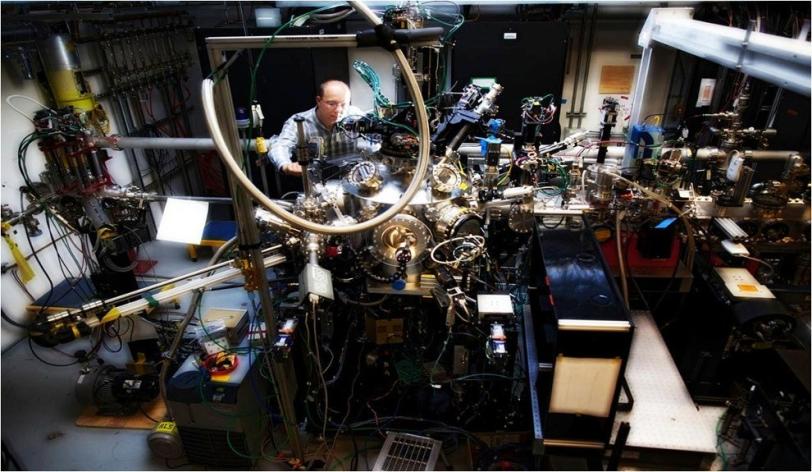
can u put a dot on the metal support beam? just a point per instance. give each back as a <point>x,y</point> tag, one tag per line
<point>781,61</point>
<point>640,86</point>
<point>249,238</point>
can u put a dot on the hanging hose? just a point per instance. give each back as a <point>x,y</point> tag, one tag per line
<point>108,262</point>
<point>414,186</point>
<point>190,312</point>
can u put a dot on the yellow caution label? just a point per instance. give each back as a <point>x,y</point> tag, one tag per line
<point>166,427</point>
<point>24,268</point>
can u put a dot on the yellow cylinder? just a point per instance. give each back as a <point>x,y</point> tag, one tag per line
<point>64,85</point>
<point>64,73</point>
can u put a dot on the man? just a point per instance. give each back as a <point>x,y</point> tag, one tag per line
<point>332,104</point>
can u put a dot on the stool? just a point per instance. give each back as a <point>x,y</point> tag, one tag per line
<point>215,234</point>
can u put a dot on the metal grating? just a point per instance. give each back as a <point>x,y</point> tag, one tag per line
<point>403,451</point>
<point>211,447</point>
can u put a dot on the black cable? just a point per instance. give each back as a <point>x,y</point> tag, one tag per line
<point>143,412</point>
<point>11,321</point>
<point>629,267</point>
<point>560,222</point>
<point>31,347</point>
<point>63,266</point>
<point>169,466</point>
<point>670,281</point>
<point>115,330</point>
<point>36,257</point>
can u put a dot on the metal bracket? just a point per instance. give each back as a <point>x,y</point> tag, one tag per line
<point>745,43</point>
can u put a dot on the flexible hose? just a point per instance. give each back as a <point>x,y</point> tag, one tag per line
<point>108,262</point>
<point>190,312</point>
<point>414,186</point>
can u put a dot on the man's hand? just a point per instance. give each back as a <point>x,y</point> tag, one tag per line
<point>292,169</point>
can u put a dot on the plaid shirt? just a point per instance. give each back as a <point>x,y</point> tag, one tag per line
<point>337,145</point>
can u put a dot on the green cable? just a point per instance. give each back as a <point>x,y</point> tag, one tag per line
<point>398,125</point>
<point>373,81</point>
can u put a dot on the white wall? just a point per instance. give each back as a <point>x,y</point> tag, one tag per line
<point>614,44</point>
<point>14,127</point>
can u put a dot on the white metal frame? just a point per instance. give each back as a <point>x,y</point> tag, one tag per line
<point>775,59</point>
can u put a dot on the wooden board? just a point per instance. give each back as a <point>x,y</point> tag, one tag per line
<point>616,79</point>
<point>156,409</point>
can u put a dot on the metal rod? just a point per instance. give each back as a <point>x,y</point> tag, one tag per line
<point>203,282</point>
<point>155,286</point>
<point>577,68</point>
<point>774,108</point>
<point>587,63</point>
<point>131,142</point>
<point>227,43</point>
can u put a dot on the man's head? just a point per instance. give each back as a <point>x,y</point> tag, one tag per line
<point>332,101</point>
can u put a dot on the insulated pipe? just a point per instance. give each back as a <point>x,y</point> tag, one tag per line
<point>189,144</point>
<point>124,142</point>
<point>415,185</point>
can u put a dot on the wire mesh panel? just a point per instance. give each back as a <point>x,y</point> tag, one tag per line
<point>403,451</point>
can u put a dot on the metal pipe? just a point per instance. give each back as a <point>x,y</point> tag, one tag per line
<point>149,288</point>
<point>113,193</point>
<point>577,67</point>
<point>469,149</point>
<point>190,144</point>
<point>197,284</point>
<point>588,63</point>
<point>228,43</point>
<point>617,152</point>
<point>774,108</point>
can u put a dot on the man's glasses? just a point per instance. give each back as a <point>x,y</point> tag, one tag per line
<point>335,104</point>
